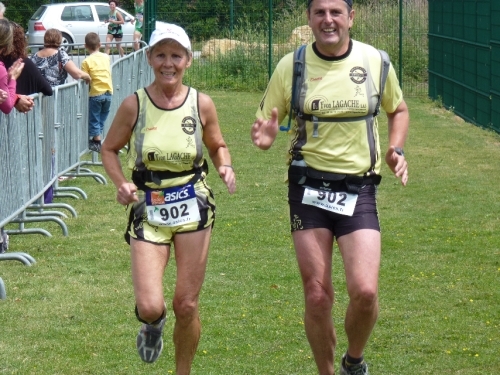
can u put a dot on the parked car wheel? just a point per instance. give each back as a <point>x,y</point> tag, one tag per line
<point>66,43</point>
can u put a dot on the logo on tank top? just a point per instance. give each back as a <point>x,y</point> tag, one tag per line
<point>358,74</point>
<point>152,154</point>
<point>155,155</point>
<point>188,125</point>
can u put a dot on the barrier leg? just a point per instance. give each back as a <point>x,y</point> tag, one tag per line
<point>15,256</point>
<point>3,294</point>
<point>85,172</point>
<point>55,205</point>
<point>22,219</point>
<point>69,195</point>
<point>46,213</point>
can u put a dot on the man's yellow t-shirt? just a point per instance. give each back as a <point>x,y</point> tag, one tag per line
<point>345,87</point>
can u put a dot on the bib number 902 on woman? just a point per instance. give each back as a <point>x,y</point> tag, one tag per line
<point>173,206</point>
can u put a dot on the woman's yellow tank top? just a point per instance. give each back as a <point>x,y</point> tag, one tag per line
<point>167,139</point>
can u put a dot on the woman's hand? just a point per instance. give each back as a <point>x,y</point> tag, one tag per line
<point>127,193</point>
<point>3,96</point>
<point>226,172</point>
<point>15,70</point>
<point>24,104</point>
<point>86,78</point>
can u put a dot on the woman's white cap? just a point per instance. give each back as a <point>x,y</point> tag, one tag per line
<point>169,31</point>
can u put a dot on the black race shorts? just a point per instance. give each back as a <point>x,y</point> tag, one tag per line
<point>303,216</point>
<point>117,36</point>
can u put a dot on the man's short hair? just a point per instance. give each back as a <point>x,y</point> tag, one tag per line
<point>92,41</point>
<point>349,2</point>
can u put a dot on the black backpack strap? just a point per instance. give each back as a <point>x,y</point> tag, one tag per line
<point>298,79</point>
<point>299,59</point>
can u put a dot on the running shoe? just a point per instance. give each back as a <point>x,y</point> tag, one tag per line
<point>359,369</point>
<point>95,145</point>
<point>150,342</point>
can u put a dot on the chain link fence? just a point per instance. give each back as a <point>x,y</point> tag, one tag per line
<point>238,43</point>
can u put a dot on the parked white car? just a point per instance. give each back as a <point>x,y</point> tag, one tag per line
<point>75,20</point>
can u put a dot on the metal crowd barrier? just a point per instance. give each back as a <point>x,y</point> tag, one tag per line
<point>50,141</point>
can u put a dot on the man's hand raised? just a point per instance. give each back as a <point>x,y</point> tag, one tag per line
<point>264,132</point>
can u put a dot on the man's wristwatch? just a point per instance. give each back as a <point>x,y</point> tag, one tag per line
<point>399,151</point>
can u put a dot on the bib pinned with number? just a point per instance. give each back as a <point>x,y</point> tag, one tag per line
<point>339,202</point>
<point>173,206</point>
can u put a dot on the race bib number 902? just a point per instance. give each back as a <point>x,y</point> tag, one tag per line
<point>339,202</point>
<point>173,206</point>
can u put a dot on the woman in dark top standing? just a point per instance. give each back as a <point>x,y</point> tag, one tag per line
<point>31,80</point>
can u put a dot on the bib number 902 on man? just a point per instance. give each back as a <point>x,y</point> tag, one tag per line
<point>331,197</point>
<point>339,202</point>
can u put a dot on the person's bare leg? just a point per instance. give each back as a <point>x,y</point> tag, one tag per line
<point>361,254</point>
<point>313,249</point>
<point>119,47</point>
<point>148,266</point>
<point>191,251</point>
<point>107,47</point>
<point>137,38</point>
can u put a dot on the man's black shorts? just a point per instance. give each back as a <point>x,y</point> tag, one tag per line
<point>303,216</point>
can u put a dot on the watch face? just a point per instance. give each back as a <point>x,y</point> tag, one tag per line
<point>399,151</point>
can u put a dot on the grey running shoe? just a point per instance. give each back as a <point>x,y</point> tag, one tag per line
<point>95,146</point>
<point>150,342</point>
<point>359,369</point>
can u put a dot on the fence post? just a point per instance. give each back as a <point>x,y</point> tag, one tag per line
<point>270,26</point>
<point>231,18</point>
<point>400,70</point>
<point>150,8</point>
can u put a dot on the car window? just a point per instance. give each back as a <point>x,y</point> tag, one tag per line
<point>38,14</point>
<point>102,12</point>
<point>125,17</point>
<point>77,13</point>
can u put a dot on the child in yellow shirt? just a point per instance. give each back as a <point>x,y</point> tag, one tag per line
<point>97,65</point>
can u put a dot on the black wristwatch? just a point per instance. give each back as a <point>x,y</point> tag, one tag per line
<point>399,151</point>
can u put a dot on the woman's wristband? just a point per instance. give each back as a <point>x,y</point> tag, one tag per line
<point>229,166</point>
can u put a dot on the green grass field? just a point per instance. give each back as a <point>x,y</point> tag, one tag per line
<point>72,312</point>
